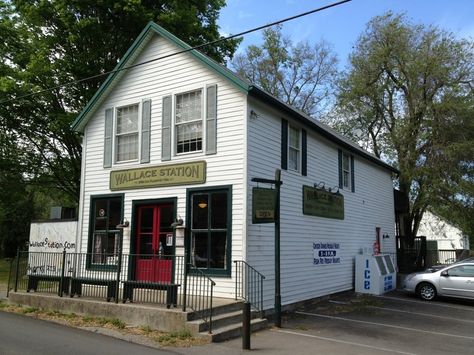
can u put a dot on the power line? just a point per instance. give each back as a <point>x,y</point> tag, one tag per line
<point>179,52</point>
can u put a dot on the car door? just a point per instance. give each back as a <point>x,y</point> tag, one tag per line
<point>458,281</point>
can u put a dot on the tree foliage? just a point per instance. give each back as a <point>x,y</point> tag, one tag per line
<point>299,74</point>
<point>408,97</point>
<point>50,42</point>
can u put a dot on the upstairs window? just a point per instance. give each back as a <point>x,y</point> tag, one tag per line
<point>126,134</point>
<point>346,171</point>
<point>294,149</point>
<point>188,122</point>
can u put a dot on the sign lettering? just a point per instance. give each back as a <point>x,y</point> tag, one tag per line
<point>322,203</point>
<point>157,176</point>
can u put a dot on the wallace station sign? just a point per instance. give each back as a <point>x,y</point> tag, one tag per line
<point>158,176</point>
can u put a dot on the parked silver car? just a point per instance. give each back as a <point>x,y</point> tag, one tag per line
<point>455,280</point>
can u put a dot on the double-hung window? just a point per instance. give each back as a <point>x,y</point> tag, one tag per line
<point>189,122</point>
<point>294,149</point>
<point>346,170</point>
<point>126,134</point>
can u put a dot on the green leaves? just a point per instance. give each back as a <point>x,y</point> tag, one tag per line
<point>408,96</point>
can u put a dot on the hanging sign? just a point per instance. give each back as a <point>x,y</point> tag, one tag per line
<point>263,205</point>
<point>158,176</point>
<point>322,203</point>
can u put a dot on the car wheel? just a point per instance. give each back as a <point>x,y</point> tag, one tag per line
<point>426,291</point>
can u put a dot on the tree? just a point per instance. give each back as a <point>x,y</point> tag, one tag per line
<point>408,97</point>
<point>46,43</point>
<point>50,42</point>
<point>298,74</point>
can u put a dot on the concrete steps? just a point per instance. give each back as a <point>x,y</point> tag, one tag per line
<point>226,323</point>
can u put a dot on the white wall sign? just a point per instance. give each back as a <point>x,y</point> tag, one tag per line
<point>325,253</point>
<point>50,237</point>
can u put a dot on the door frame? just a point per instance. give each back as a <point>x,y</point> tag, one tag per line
<point>173,201</point>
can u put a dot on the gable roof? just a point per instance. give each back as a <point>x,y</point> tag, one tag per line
<point>140,43</point>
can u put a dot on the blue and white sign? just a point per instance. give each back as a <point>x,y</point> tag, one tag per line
<point>326,253</point>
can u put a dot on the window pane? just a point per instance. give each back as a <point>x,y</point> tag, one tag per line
<point>127,119</point>
<point>345,162</point>
<point>199,251</point>
<point>219,210</point>
<point>101,214</point>
<point>199,212</point>
<point>188,107</point>
<point>294,138</point>
<point>98,248</point>
<point>293,159</point>
<point>115,211</point>
<point>127,147</point>
<point>166,218</point>
<point>146,222</point>
<point>218,250</point>
<point>345,177</point>
<point>189,137</point>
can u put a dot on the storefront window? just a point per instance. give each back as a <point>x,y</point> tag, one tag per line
<point>106,214</point>
<point>210,230</point>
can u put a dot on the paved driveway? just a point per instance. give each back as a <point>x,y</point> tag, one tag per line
<point>395,323</point>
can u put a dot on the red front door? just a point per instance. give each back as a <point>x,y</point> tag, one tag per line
<point>154,261</point>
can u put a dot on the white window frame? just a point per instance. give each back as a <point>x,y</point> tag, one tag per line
<point>201,119</point>
<point>346,173</point>
<point>137,132</point>
<point>297,149</point>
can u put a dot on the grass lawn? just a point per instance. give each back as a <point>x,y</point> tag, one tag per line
<point>4,270</point>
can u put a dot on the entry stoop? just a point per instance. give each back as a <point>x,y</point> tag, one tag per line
<point>226,323</point>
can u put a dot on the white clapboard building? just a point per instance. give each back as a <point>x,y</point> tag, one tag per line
<point>182,137</point>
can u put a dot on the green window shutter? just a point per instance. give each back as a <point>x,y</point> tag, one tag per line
<point>339,160</point>
<point>166,129</point>
<point>284,144</point>
<point>211,119</point>
<point>108,133</point>
<point>146,123</point>
<point>304,154</point>
<point>352,174</point>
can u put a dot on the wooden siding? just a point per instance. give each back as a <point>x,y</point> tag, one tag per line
<point>369,207</point>
<point>153,81</point>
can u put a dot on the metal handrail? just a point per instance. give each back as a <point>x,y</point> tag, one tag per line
<point>199,294</point>
<point>249,284</point>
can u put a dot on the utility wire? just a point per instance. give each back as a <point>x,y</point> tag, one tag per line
<point>180,52</point>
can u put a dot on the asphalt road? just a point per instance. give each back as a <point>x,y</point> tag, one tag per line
<point>391,324</point>
<point>24,335</point>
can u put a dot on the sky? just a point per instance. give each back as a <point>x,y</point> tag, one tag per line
<point>341,25</point>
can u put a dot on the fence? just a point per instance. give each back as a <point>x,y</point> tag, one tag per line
<point>126,277</point>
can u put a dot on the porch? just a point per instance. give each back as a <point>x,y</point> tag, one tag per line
<point>167,297</point>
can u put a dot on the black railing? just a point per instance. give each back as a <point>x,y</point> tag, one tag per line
<point>198,293</point>
<point>126,277</point>
<point>411,254</point>
<point>249,284</point>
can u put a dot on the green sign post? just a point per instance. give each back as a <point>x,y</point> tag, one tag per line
<point>277,182</point>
